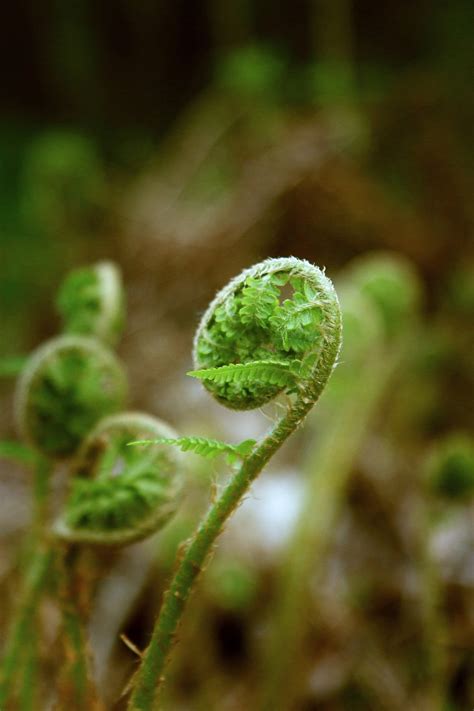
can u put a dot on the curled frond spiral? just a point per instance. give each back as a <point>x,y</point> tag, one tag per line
<point>91,302</point>
<point>121,494</point>
<point>271,323</point>
<point>68,384</point>
<point>390,282</point>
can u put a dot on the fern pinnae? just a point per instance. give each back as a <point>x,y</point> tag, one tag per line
<point>272,372</point>
<point>204,446</point>
<point>118,495</point>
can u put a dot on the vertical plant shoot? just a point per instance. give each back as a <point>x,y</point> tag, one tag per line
<point>274,329</point>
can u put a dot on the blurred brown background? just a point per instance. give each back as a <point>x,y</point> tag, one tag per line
<point>186,141</point>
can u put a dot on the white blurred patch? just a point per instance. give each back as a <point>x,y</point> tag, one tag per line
<point>265,520</point>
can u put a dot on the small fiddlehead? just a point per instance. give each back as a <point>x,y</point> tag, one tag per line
<point>68,384</point>
<point>121,494</point>
<point>91,302</point>
<point>390,282</point>
<point>281,312</point>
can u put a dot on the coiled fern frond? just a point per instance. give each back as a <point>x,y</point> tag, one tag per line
<point>259,329</point>
<point>91,302</point>
<point>68,384</point>
<point>121,494</point>
<point>390,282</point>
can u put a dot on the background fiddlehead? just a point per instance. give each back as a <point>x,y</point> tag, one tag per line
<point>118,495</point>
<point>380,296</point>
<point>68,384</point>
<point>91,302</point>
<point>121,494</point>
<point>304,332</point>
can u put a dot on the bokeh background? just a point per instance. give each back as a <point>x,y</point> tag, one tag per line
<point>186,141</point>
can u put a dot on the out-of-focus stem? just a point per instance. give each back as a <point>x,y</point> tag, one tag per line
<point>20,632</point>
<point>329,466</point>
<point>19,661</point>
<point>431,614</point>
<point>150,676</point>
<point>28,691</point>
<point>30,665</point>
<point>76,689</point>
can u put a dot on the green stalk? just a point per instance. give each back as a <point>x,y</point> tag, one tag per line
<point>20,632</point>
<point>329,467</point>
<point>28,691</point>
<point>433,620</point>
<point>150,675</point>
<point>29,670</point>
<point>19,655</point>
<point>76,689</point>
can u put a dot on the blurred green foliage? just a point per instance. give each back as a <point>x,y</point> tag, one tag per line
<point>450,469</point>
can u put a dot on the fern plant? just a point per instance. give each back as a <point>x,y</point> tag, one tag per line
<point>252,340</point>
<point>68,384</point>
<point>68,404</point>
<point>119,495</point>
<point>91,302</point>
<point>276,328</point>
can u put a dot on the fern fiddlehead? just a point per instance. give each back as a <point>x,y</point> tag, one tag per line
<point>91,302</point>
<point>275,328</point>
<point>120,494</point>
<point>253,342</point>
<point>68,384</point>
<point>117,496</point>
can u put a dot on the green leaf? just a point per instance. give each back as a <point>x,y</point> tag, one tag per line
<point>259,300</point>
<point>268,372</point>
<point>204,446</point>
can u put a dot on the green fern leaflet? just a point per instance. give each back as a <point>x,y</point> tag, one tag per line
<point>204,446</point>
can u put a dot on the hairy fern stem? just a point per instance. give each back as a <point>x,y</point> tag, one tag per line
<point>150,675</point>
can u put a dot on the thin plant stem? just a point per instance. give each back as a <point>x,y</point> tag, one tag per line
<point>329,466</point>
<point>434,624</point>
<point>18,655</point>
<point>41,483</point>
<point>150,675</point>
<point>76,689</point>
<point>28,691</point>
<point>30,664</point>
<point>19,635</point>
